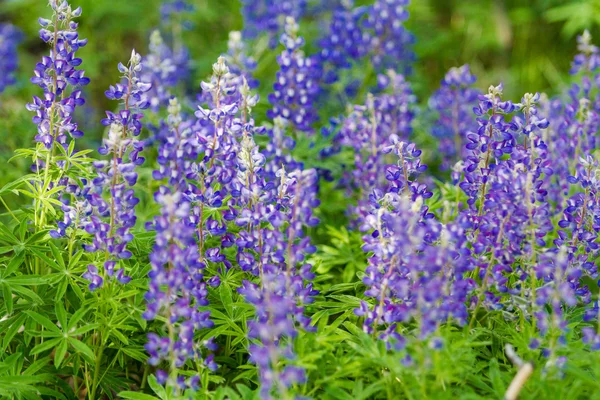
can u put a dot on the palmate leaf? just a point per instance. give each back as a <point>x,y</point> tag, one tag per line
<point>59,354</point>
<point>47,345</point>
<point>158,389</point>
<point>82,348</point>
<point>45,322</point>
<point>11,385</point>
<point>136,396</point>
<point>8,299</point>
<point>13,326</point>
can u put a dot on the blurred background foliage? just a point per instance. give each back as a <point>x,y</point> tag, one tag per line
<point>526,44</point>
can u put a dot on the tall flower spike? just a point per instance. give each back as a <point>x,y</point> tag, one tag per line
<point>114,216</point>
<point>492,140</point>
<point>454,103</point>
<point>160,70</point>
<point>283,277</point>
<point>368,130</point>
<point>56,74</point>
<point>10,37</point>
<point>345,42</point>
<point>177,288</point>
<point>390,41</point>
<point>416,271</point>
<point>267,16</point>
<point>174,22</point>
<point>240,63</point>
<point>61,81</point>
<point>588,59</point>
<point>296,86</point>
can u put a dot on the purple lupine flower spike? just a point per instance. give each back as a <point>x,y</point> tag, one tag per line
<point>161,71</point>
<point>267,15</point>
<point>390,41</point>
<point>296,86</point>
<point>58,76</point>
<point>454,102</point>
<point>10,37</point>
<point>111,194</point>
<point>346,41</point>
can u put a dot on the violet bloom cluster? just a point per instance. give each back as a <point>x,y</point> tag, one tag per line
<point>345,42</point>
<point>58,76</point>
<point>454,103</point>
<point>574,121</point>
<point>268,16</point>
<point>112,196</point>
<point>390,41</point>
<point>492,140</point>
<point>368,131</point>
<point>417,269</point>
<point>177,289</point>
<point>240,63</point>
<point>277,255</point>
<point>296,87</point>
<point>236,183</point>
<point>560,270</point>
<point>505,177</point>
<point>10,37</point>
<point>174,23</point>
<point>588,59</point>
<point>173,8</point>
<point>161,70</point>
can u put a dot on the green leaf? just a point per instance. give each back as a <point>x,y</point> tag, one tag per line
<point>45,322</point>
<point>226,298</point>
<point>10,333</point>
<point>15,263</point>
<point>37,237</point>
<point>82,348</point>
<point>60,353</point>
<point>47,345</point>
<point>36,366</point>
<point>28,293</point>
<point>136,396</point>
<point>156,387</point>
<point>135,353</point>
<point>77,316</point>
<point>32,280</point>
<point>61,313</point>
<point>83,329</point>
<point>50,262</point>
<point>8,298</point>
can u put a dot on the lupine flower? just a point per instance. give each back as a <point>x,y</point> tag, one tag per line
<point>58,76</point>
<point>561,288</point>
<point>268,16</point>
<point>454,103</point>
<point>161,71</point>
<point>239,61</point>
<point>588,59</point>
<point>369,129</point>
<point>409,276</point>
<point>271,209</point>
<point>169,9</point>
<point>10,37</point>
<point>61,81</point>
<point>112,220</point>
<point>173,24</point>
<point>390,41</point>
<point>492,140</point>
<point>177,286</point>
<point>295,89</point>
<point>281,293</point>
<point>345,42</point>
